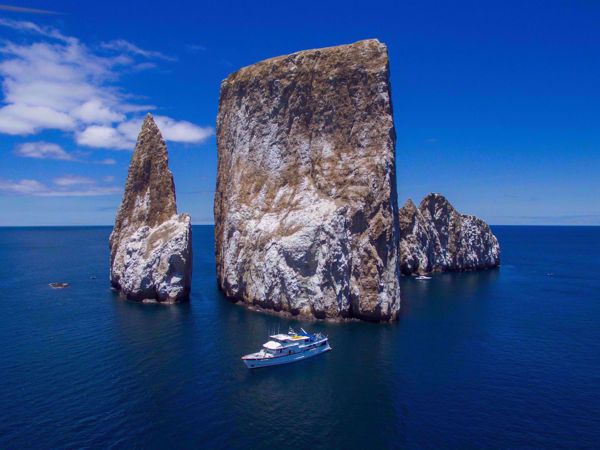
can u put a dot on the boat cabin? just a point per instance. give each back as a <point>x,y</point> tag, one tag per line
<point>283,344</point>
<point>283,338</point>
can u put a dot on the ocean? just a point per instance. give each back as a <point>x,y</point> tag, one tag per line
<point>506,358</point>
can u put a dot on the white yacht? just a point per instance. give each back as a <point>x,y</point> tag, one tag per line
<point>287,348</point>
<point>422,277</point>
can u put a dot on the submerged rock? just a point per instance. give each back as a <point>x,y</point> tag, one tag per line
<point>151,245</point>
<point>306,215</point>
<point>436,238</point>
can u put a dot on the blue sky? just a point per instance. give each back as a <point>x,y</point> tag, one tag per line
<point>496,103</point>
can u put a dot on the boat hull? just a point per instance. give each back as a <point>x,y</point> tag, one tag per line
<point>285,359</point>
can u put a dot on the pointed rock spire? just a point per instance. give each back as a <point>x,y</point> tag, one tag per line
<point>150,244</point>
<point>149,196</point>
<point>409,204</point>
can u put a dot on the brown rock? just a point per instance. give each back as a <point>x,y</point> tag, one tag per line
<point>436,238</point>
<point>305,210</point>
<point>150,246</point>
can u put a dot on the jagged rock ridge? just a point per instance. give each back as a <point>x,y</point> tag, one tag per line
<point>435,238</point>
<point>306,215</point>
<point>151,245</point>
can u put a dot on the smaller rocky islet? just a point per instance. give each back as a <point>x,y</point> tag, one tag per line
<point>435,237</point>
<point>151,245</point>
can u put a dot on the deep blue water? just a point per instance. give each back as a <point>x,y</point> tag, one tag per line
<point>508,358</point>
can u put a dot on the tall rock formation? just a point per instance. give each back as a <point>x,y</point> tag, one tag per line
<point>436,238</point>
<point>151,245</point>
<point>306,215</point>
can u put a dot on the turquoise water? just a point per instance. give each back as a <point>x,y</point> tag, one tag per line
<point>508,358</point>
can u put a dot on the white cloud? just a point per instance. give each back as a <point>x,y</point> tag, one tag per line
<point>59,83</point>
<point>106,162</point>
<point>121,45</point>
<point>23,119</point>
<point>101,136</point>
<point>64,188</point>
<point>56,85</point>
<point>182,131</point>
<point>95,111</point>
<point>33,28</point>
<point>24,187</point>
<point>43,150</point>
<point>50,150</point>
<point>124,135</point>
<point>72,180</point>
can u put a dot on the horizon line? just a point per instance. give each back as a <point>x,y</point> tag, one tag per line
<point>212,224</point>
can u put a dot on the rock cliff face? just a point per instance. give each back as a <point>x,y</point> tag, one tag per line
<point>436,238</point>
<point>305,208</point>
<point>151,245</point>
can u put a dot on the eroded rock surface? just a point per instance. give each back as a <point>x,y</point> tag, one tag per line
<point>151,245</point>
<point>305,209</point>
<point>435,237</point>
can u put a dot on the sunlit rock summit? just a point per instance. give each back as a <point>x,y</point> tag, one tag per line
<point>435,237</point>
<point>151,245</point>
<point>306,215</point>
